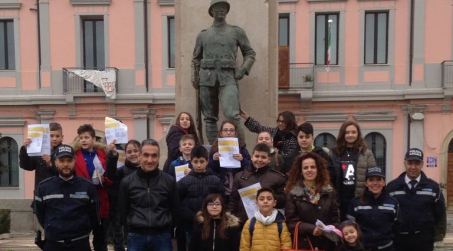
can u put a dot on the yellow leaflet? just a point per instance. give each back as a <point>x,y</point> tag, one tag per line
<point>248,193</point>
<point>226,149</point>
<point>36,129</point>
<point>34,134</point>
<point>228,143</point>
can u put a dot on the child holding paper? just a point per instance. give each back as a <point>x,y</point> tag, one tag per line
<point>266,231</point>
<point>194,187</point>
<point>258,172</point>
<point>44,166</point>
<point>91,163</point>
<point>186,144</point>
<point>228,129</point>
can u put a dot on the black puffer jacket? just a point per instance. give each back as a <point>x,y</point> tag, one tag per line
<point>148,202</point>
<point>192,189</point>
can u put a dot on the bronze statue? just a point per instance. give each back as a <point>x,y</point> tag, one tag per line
<point>214,70</point>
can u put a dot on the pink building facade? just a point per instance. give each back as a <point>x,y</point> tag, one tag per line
<point>384,62</point>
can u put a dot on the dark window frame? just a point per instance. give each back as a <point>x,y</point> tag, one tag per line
<point>326,28</point>
<point>324,136</point>
<point>10,142</point>
<point>171,63</point>
<point>375,52</point>
<point>8,65</point>
<point>288,26</point>
<point>85,20</point>
<point>372,146</point>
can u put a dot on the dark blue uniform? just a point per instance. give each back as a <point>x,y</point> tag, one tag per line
<point>68,211</point>
<point>422,218</point>
<point>376,217</point>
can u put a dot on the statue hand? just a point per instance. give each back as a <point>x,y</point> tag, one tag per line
<point>239,74</point>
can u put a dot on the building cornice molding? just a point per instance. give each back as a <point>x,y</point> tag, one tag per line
<point>91,2</point>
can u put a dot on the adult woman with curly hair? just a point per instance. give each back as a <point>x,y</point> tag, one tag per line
<point>350,160</point>
<point>310,197</point>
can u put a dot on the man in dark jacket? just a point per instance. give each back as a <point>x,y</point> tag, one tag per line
<point>258,172</point>
<point>67,207</point>
<point>422,217</point>
<point>148,202</point>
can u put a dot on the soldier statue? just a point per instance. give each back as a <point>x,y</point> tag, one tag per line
<point>214,70</point>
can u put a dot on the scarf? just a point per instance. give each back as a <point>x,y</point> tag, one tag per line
<point>266,220</point>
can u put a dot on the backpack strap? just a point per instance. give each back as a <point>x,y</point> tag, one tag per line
<point>251,229</point>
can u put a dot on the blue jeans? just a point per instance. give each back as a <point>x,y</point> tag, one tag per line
<point>149,242</point>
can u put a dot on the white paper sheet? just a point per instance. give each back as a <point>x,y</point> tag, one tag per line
<point>179,171</point>
<point>115,130</point>
<point>248,197</point>
<point>40,140</point>
<point>228,147</point>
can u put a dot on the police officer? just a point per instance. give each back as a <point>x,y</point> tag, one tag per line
<point>214,68</point>
<point>376,212</point>
<point>67,207</point>
<point>422,217</point>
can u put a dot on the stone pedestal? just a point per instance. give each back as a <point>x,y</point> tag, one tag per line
<point>258,91</point>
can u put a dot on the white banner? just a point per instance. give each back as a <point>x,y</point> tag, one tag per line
<point>106,80</point>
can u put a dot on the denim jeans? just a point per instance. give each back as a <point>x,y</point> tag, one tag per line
<point>149,242</point>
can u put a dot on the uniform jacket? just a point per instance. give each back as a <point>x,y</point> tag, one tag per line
<point>421,210</point>
<point>266,238</point>
<point>285,142</point>
<point>81,170</point>
<point>215,242</point>
<point>192,190</point>
<point>299,208</point>
<point>376,217</point>
<point>214,55</point>
<point>37,164</point>
<point>267,177</point>
<point>148,202</point>
<point>67,209</point>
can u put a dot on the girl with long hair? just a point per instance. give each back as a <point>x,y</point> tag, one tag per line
<point>350,159</point>
<point>215,229</point>
<point>310,197</point>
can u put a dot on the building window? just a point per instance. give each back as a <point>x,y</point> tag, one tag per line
<point>93,48</point>
<point>376,37</point>
<point>283,29</point>
<point>7,60</point>
<point>9,162</point>
<point>325,140</point>
<point>376,142</point>
<point>171,41</point>
<point>326,44</point>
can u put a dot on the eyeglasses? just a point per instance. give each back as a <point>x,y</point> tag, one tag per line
<point>228,130</point>
<point>214,204</point>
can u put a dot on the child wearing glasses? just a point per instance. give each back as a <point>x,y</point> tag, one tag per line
<point>193,188</point>
<point>215,229</point>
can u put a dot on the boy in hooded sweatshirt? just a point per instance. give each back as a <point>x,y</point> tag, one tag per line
<point>266,231</point>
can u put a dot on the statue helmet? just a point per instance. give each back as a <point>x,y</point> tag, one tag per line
<point>214,2</point>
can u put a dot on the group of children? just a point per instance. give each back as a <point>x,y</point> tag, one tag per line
<point>208,193</point>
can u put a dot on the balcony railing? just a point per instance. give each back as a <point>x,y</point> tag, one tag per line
<point>447,74</point>
<point>76,85</point>
<point>301,75</point>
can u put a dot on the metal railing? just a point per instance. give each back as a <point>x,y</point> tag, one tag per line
<point>301,75</point>
<point>73,84</point>
<point>447,74</point>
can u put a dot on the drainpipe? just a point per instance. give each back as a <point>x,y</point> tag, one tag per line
<point>145,6</point>
<point>411,41</point>
<point>408,131</point>
<point>39,43</point>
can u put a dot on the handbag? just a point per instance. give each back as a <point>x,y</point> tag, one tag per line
<point>296,241</point>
